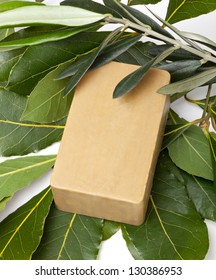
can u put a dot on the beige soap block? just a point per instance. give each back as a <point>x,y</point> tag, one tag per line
<point>109,148</point>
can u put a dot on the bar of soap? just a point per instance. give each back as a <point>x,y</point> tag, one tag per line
<point>107,157</point>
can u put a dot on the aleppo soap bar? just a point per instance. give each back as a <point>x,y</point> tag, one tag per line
<point>109,148</point>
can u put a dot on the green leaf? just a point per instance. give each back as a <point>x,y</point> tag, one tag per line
<point>191,152</point>
<point>87,63</point>
<point>181,69</point>
<point>203,194</point>
<point>137,54</point>
<point>47,106</point>
<point>10,5</point>
<point>109,53</point>
<point>212,144</point>
<point>199,38</point>
<point>184,9</point>
<point>57,15</point>
<point>18,138</point>
<point>21,231</point>
<point>172,132</point>
<point>69,236</point>
<point>189,83</point>
<point>89,5</point>
<point>38,60</point>
<point>7,60</point>
<point>109,229</point>
<point>5,32</point>
<point>35,36</point>
<point>178,54</point>
<point>145,2</point>
<point>136,16</point>
<point>132,80</point>
<point>173,230</point>
<point>18,173</point>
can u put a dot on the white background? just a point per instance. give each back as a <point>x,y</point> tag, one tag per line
<point>115,249</point>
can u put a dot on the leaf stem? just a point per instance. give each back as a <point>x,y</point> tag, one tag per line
<point>149,32</point>
<point>33,125</point>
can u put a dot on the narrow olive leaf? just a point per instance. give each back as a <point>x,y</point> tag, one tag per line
<point>200,38</point>
<point>181,9</point>
<point>21,231</point>
<point>31,36</point>
<point>109,53</point>
<point>16,174</point>
<point>48,106</point>
<point>138,2</point>
<point>189,83</point>
<point>178,54</point>
<point>69,236</point>
<point>18,138</point>
<point>191,152</point>
<point>109,229</point>
<point>37,61</point>
<point>137,54</point>
<point>89,60</point>
<point>4,202</point>
<point>132,80</point>
<point>57,15</point>
<point>182,69</point>
<point>203,194</point>
<point>143,18</point>
<point>173,229</point>
<point>10,5</point>
<point>7,60</point>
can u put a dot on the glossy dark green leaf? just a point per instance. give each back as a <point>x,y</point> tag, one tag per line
<point>18,173</point>
<point>181,69</point>
<point>203,194</point>
<point>21,231</point>
<point>212,143</point>
<point>132,80</point>
<point>69,236</point>
<point>87,63</point>
<point>38,61</point>
<point>7,60</point>
<point>111,52</point>
<point>10,5</point>
<point>191,152</point>
<point>173,229</point>
<point>109,229</point>
<point>34,36</point>
<point>53,14</point>
<point>172,132</point>
<point>48,106</point>
<point>180,10</point>
<point>19,138</point>
<point>190,83</point>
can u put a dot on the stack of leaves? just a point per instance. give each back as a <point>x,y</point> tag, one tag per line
<point>41,64</point>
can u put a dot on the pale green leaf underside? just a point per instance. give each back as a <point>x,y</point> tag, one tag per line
<point>59,15</point>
